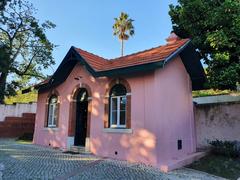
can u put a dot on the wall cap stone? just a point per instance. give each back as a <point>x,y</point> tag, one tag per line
<point>216,99</point>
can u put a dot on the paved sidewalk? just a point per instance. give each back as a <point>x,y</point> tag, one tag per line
<point>19,161</point>
<point>1,169</point>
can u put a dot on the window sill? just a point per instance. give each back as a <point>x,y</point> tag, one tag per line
<point>117,130</point>
<point>51,129</point>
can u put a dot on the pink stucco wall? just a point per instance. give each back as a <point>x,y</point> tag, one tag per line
<point>161,113</point>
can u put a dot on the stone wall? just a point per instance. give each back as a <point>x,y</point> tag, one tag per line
<point>16,110</point>
<point>217,120</point>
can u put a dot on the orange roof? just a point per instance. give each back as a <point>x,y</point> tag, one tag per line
<point>134,63</point>
<point>143,57</point>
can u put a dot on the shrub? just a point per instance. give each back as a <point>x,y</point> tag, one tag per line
<point>225,148</point>
<point>26,137</point>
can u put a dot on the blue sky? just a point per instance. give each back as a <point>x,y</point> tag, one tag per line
<point>88,25</point>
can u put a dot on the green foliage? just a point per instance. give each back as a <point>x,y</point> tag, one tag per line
<point>24,141</point>
<point>26,138</point>
<point>223,75</point>
<point>27,49</point>
<point>3,3</point>
<point>123,28</point>
<point>22,98</point>
<point>214,27</point>
<point>218,165</point>
<point>225,148</point>
<point>213,92</point>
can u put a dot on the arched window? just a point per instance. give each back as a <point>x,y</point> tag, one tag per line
<point>52,111</point>
<point>118,102</point>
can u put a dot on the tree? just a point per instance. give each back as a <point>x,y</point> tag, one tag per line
<point>214,27</point>
<point>3,64</point>
<point>3,3</point>
<point>123,28</point>
<point>25,49</point>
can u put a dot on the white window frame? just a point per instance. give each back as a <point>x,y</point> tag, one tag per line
<point>52,116</point>
<point>118,125</point>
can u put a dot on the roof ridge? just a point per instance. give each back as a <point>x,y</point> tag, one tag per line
<point>141,51</point>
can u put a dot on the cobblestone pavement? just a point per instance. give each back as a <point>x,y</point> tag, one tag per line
<point>20,161</point>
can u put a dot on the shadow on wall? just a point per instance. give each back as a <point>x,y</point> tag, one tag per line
<point>95,104</point>
<point>95,145</point>
<point>137,147</point>
<point>141,146</point>
<point>55,137</point>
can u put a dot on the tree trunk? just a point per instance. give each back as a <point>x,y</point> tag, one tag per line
<point>122,47</point>
<point>3,79</point>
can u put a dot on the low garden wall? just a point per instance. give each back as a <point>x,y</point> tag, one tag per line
<point>17,120</point>
<point>16,110</point>
<point>217,117</point>
<point>13,127</point>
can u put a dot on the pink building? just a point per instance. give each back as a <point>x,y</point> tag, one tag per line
<point>137,107</point>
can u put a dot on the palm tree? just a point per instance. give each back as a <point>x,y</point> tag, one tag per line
<point>123,28</point>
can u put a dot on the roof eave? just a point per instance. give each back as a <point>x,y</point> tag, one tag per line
<point>130,70</point>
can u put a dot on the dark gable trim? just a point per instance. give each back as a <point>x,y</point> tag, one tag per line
<point>62,72</point>
<point>176,53</point>
<point>83,62</point>
<point>190,58</point>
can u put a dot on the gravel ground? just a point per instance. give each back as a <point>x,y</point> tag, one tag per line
<point>20,161</point>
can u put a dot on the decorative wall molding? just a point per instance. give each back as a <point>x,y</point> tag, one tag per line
<point>112,130</point>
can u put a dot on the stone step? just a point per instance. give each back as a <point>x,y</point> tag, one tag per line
<point>80,150</point>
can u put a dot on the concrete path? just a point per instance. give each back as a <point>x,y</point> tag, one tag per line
<point>19,161</point>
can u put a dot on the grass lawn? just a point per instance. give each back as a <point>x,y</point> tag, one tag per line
<point>26,138</point>
<point>218,165</point>
<point>24,141</point>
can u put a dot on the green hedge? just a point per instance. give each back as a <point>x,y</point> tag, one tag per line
<point>22,98</point>
<point>225,148</point>
<point>212,92</point>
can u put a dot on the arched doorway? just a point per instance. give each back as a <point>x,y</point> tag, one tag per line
<point>81,117</point>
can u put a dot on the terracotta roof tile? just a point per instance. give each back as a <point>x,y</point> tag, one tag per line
<point>143,57</point>
<point>96,62</point>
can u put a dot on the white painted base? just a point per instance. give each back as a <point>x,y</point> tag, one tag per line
<point>87,144</point>
<point>70,142</point>
<point>216,99</point>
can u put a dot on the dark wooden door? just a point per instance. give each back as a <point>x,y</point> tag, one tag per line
<point>81,119</point>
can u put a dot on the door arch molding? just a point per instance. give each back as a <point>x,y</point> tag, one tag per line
<point>73,106</point>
